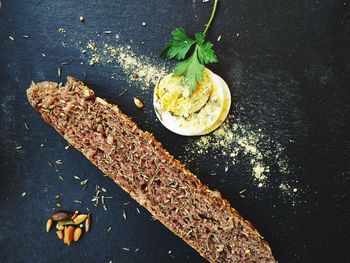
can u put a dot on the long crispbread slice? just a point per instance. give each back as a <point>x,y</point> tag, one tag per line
<point>139,164</point>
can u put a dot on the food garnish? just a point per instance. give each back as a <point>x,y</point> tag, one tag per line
<point>191,68</point>
<point>69,227</point>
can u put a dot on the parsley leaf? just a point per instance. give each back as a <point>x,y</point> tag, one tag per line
<point>179,45</point>
<point>206,54</point>
<point>191,69</point>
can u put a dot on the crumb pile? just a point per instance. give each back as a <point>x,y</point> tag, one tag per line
<point>139,69</point>
<point>235,141</point>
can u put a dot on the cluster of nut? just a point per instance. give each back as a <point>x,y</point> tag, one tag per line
<point>69,228</point>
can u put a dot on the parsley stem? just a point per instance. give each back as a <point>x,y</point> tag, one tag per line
<point>211,17</point>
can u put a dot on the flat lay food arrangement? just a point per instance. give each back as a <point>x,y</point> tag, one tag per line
<point>160,133</point>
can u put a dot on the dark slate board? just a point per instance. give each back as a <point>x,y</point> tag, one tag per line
<point>288,71</point>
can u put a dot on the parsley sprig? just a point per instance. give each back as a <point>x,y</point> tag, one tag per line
<point>191,68</point>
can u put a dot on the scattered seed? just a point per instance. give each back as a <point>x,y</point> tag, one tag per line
<point>65,63</point>
<point>143,23</point>
<point>49,163</point>
<point>18,147</point>
<point>25,36</point>
<point>242,191</point>
<point>126,249</point>
<point>127,203</point>
<point>58,205</point>
<point>109,229</point>
<point>77,234</point>
<point>43,54</point>
<point>59,234</point>
<point>80,219</point>
<point>59,216</point>
<point>76,177</point>
<point>81,19</point>
<point>108,32</point>
<point>84,182</point>
<point>26,126</point>
<point>61,177</point>
<point>59,227</point>
<point>49,224</point>
<point>64,45</point>
<point>136,249</point>
<point>124,214</point>
<point>11,38</point>
<point>23,194</point>
<point>226,169</point>
<point>78,201</point>
<point>219,38</point>
<point>119,95</point>
<point>138,210</point>
<point>59,72</point>
<point>61,30</point>
<point>105,207</point>
<point>88,223</point>
<point>57,196</point>
<point>103,189</point>
<point>42,145</point>
<point>138,103</point>
<point>59,162</point>
<point>76,213</point>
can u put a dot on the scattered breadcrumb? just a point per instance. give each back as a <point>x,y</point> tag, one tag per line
<point>23,194</point>
<point>140,69</point>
